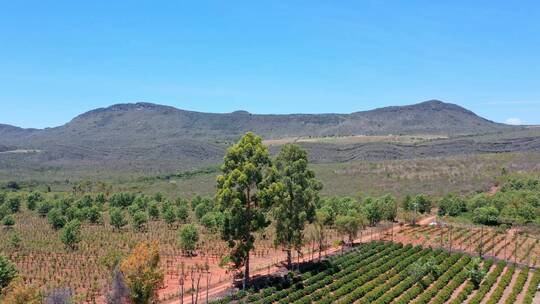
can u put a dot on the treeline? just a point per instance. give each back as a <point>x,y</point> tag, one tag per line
<point>516,203</point>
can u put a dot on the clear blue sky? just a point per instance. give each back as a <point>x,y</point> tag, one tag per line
<point>61,58</point>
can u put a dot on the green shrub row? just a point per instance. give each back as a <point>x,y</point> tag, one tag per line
<point>503,283</point>
<point>443,280</point>
<point>445,260</point>
<point>518,286</point>
<point>447,291</point>
<point>391,277</point>
<point>531,291</point>
<point>383,265</point>
<point>487,283</point>
<point>469,286</point>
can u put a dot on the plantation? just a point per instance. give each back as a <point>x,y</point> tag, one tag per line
<point>382,272</point>
<point>268,217</point>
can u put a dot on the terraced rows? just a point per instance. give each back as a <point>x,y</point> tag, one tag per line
<point>380,273</point>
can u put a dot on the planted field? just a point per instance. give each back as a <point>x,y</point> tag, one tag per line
<point>510,246</point>
<point>386,272</point>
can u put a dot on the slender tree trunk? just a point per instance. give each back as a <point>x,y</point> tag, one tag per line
<point>246,273</point>
<point>289,259</point>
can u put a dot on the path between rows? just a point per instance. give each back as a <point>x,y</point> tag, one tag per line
<point>220,289</point>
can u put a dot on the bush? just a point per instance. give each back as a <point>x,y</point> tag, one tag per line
<point>56,219</point>
<point>139,220</point>
<point>7,272</point>
<point>71,234</point>
<point>486,215</point>
<point>189,236</point>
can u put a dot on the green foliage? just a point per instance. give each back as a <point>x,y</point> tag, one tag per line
<point>388,207</point>
<point>85,201</point>
<point>71,234</point>
<point>334,206</point>
<point>292,191</point>
<point>8,221</point>
<point>422,268</point>
<point>4,211</point>
<point>93,214</point>
<point>204,206</point>
<point>238,199</point>
<point>452,205</point>
<point>153,210</point>
<point>209,221</point>
<point>475,273</point>
<point>32,200</point>
<point>182,213</point>
<point>15,241</point>
<point>189,236</point>
<point>169,216</point>
<point>139,220</point>
<point>486,215</point>
<point>158,197</point>
<point>122,199</point>
<point>349,225</point>
<point>56,219</point>
<point>8,272</point>
<point>117,218</point>
<point>100,198</point>
<point>14,203</point>
<point>44,207</point>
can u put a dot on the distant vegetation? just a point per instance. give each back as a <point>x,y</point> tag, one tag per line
<point>517,202</point>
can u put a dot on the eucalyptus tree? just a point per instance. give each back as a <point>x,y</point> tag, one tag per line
<point>238,198</point>
<point>292,191</point>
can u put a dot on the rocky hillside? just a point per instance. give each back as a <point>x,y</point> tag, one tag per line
<point>145,136</point>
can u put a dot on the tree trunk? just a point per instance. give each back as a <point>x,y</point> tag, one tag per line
<point>289,259</point>
<point>245,279</point>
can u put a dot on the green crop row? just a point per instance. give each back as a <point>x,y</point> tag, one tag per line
<point>503,283</point>
<point>487,283</point>
<point>469,286</point>
<point>531,291</point>
<point>518,286</point>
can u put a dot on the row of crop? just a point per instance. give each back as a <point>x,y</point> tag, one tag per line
<point>503,283</point>
<point>388,293</point>
<point>420,286</point>
<point>407,283</point>
<point>442,281</point>
<point>469,286</point>
<point>335,281</point>
<point>375,288</point>
<point>487,283</point>
<point>518,286</point>
<point>364,255</point>
<point>533,285</point>
<point>447,291</point>
<point>359,278</point>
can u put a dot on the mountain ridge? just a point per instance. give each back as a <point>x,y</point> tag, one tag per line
<point>151,137</point>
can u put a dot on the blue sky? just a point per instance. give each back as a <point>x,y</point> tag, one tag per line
<point>61,58</point>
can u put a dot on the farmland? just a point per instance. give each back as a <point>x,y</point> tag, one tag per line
<point>380,272</point>
<point>400,237</point>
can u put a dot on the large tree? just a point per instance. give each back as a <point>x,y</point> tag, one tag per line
<point>238,197</point>
<point>292,190</point>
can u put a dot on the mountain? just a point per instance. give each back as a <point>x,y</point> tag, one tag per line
<point>149,137</point>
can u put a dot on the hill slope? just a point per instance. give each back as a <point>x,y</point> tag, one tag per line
<point>145,137</point>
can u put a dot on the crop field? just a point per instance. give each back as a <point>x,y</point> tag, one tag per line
<point>379,272</point>
<point>514,247</point>
<point>43,261</point>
